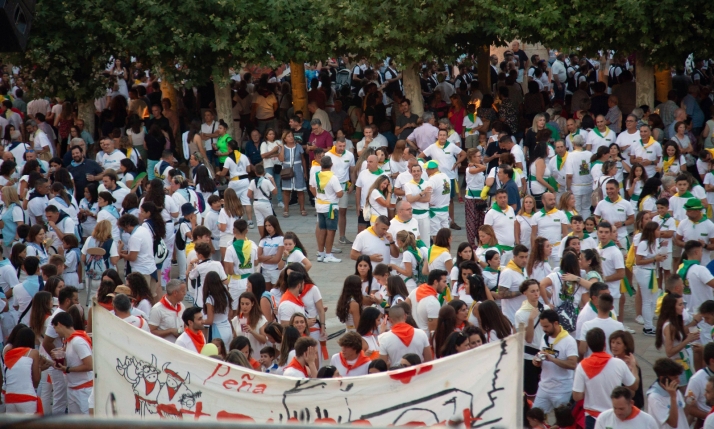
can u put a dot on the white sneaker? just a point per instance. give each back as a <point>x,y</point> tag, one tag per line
<point>336,250</point>
<point>250,224</point>
<point>630,330</point>
<point>320,258</point>
<point>640,320</point>
<point>330,258</point>
<point>281,205</point>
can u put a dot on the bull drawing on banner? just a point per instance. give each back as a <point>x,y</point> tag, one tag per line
<point>158,391</point>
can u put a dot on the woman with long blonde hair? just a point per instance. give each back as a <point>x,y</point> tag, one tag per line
<point>524,219</point>
<point>102,237</point>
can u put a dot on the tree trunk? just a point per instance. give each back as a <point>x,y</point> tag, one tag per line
<point>299,87</point>
<point>484,69</point>
<point>224,105</point>
<point>412,88</point>
<point>663,84</point>
<point>645,82</point>
<point>88,113</point>
<point>168,91</point>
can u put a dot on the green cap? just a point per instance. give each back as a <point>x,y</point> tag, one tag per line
<point>432,164</point>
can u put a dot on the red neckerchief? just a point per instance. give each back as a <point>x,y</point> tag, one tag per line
<point>594,364</point>
<point>633,414</point>
<point>404,332</point>
<point>14,355</point>
<point>107,306</point>
<point>460,327</point>
<point>361,360</point>
<point>168,305</point>
<point>296,364</point>
<point>81,334</point>
<point>306,289</point>
<point>198,339</point>
<point>288,296</point>
<point>424,291</point>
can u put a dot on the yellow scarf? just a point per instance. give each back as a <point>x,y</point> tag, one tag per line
<point>321,178</point>
<point>667,163</point>
<point>315,163</point>
<point>512,265</point>
<point>560,161</point>
<point>237,154</point>
<point>563,334</point>
<point>649,143</point>
<point>334,151</point>
<point>552,211</point>
<point>435,251</point>
<point>371,231</point>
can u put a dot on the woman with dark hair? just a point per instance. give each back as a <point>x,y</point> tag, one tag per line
<point>635,182</point>
<point>7,170</point>
<point>462,313</point>
<point>647,256</point>
<point>674,336</point>
<point>129,172</point>
<point>363,269</point>
<point>270,250</point>
<point>349,304</point>
<point>291,156</point>
<point>493,322</point>
<point>672,162</point>
<point>371,324</point>
<point>204,182</point>
<point>311,298</point>
<point>23,366</point>
<point>445,326</point>
<point>37,245</point>
<point>478,292</point>
<point>654,120</point>
<point>596,164</point>
<point>54,285</point>
<point>250,322</point>
<point>107,211</point>
<point>193,140</point>
<point>476,336</point>
<point>287,346</point>
<point>538,266</point>
<point>106,286</point>
<point>622,346</point>
<point>565,284</point>
<point>460,287</point>
<point>439,256</point>
<point>217,306</point>
<point>463,253</point>
<point>140,292</point>
<point>168,210</point>
<point>540,178</point>
<point>274,335</point>
<point>17,257</point>
<point>154,141</point>
<point>242,344</point>
<point>649,195</point>
<point>456,342</point>
<point>40,312</point>
<point>268,303</point>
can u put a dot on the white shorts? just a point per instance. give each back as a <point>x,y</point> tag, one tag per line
<point>241,188</point>
<point>343,202</point>
<point>236,288</point>
<point>262,210</point>
<point>271,275</point>
<point>440,220</point>
<point>226,240</point>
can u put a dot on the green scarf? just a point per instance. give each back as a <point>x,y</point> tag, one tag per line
<point>491,270</point>
<point>610,244</point>
<point>683,270</point>
<point>378,172</point>
<point>495,206</point>
<point>594,163</point>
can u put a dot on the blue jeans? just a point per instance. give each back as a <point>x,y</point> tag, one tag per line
<point>212,160</point>
<point>589,422</point>
<point>278,182</point>
<point>150,164</point>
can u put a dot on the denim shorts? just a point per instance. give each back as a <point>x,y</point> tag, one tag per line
<point>324,221</point>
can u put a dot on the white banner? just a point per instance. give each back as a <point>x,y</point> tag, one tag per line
<point>152,378</point>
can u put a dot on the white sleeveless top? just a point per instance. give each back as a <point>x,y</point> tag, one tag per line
<point>18,379</point>
<point>536,187</point>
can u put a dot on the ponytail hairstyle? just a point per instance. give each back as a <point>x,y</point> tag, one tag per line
<point>61,191</point>
<point>157,221</point>
<point>408,238</point>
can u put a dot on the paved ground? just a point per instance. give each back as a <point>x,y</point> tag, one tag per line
<point>329,277</point>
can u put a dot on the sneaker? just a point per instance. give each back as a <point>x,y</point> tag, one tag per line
<point>281,205</point>
<point>344,240</point>
<point>330,258</point>
<point>336,250</point>
<point>251,225</point>
<point>455,226</point>
<point>630,330</point>
<point>649,332</point>
<point>640,320</point>
<point>320,258</point>
<point>174,262</point>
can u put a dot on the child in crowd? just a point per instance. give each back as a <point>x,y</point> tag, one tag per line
<point>210,220</point>
<point>71,266</point>
<point>268,363</point>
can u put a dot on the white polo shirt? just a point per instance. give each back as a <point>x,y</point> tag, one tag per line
<point>390,345</point>
<point>412,188</point>
<point>165,318</point>
<point>612,260</point>
<point>555,380</point>
<point>703,230</point>
<point>76,350</point>
<point>446,157</point>
<point>396,225</point>
<point>503,224</point>
<point>608,419</point>
<point>652,153</point>
<point>549,225</point>
<point>578,164</point>
<point>341,165</point>
<point>698,276</point>
<point>367,243</point>
<point>595,140</point>
<point>511,280</point>
<point>608,326</point>
<point>627,142</point>
<point>615,212</point>
<point>364,181</point>
<point>598,389</point>
<point>286,309</point>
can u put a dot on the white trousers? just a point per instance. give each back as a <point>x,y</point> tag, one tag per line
<point>649,298</point>
<point>439,221</point>
<point>59,391</point>
<point>424,228</point>
<point>582,204</point>
<point>46,392</point>
<point>78,400</point>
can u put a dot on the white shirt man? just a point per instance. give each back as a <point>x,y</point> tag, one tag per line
<point>502,221</point>
<point>607,324</point>
<point>426,306</point>
<point>703,229</point>
<point>596,384</point>
<point>628,141</point>
<point>166,314</point>
<point>366,179</point>
<point>141,241</point>
<point>633,419</point>
<point>551,224</point>
<point>112,159</point>
<point>556,382</point>
<point>79,384</point>
<point>510,281</point>
<point>598,137</point>
<point>615,210</point>
<point>446,156</point>
<point>440,197</point>
<point>375,242</point>
<point>403,339</point>
<point>192,338</point>
<point>578,178</point>
<point>341,164</point>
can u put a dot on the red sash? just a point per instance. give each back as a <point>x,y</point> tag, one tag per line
<point>107,306</point>
<point>361,360</point>
<point>19,398</point>
<point>14,355</point>
<point>81,334</point>
<point>198,339</point>
<point>288,296</point>
<point>594,364</point>
<point>168,305</point>
<point>424,291</point>
<point>86,385</point>
<point>296,364</point>
<point>404,332</point>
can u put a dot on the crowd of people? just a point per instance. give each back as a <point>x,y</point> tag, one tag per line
<point>575,199</point>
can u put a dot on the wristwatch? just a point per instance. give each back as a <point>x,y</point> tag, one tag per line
<point>66,370</point>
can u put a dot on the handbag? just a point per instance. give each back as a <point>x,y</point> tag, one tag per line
<point>287,173</point>
<point>567,312</point>
<point>597,196</point>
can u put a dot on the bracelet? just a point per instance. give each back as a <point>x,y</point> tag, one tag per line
<point>391,243</point>
<point>66,370</point>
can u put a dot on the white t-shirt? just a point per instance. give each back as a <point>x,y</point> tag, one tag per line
<point>364,181</point>
<point>503,224</point>
<point>201,270</point>
<point>615,212</point>
<point>327,193</point>
<point>76,350</point>
<point>266,147</point>
<point>578,165</point>
<point>647,252</point>
<point>627,143</point>
<point>696,386</point>
<point>111,160</point>
<point>260,192</point>
<point>511,280</point>
<point>286,309</point>
<point>446,158</point>
<point>139,322</point>
<point>554,379</point>
<point>658,407</point>
<point>549,225</point>
<point>598,389</point>
<point>142,241</point>
<point>441,190</point>
<point>703,230</point>
<point>608,326</point>
<point>235,170</point>
<point>390,345</point>
<point>249,267</point>
<point>698,276</point>
<point>341,165</point>
<point>641,421</point>
<point>608,137</point>
<point>270,246</point>
<point>367,243</point>
<point>376,208</point>
<point>412,188</point>
<point>427,308</point>
<point>652,153</point>
<point>360,370</point>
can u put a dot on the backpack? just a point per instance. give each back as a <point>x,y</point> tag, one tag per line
<point>161,252</point>
<point>201,202</point>
<point>180,241</point>
<point>96,265</point>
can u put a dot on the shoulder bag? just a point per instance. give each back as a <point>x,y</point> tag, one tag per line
<point>287,173</point>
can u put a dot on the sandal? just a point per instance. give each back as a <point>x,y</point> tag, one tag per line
<point>286,214</point>
<point>303,212</point>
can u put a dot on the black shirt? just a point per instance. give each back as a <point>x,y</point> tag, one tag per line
<point>522,58</point>
<point>79,173</point>
<point>492,149</point>
<point>154,147</point>
<point>598,105</point>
